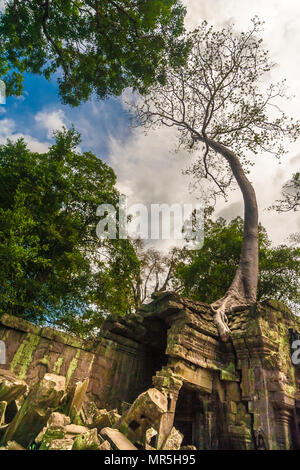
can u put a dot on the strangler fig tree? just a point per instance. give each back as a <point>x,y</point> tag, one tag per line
<point>225,111</point>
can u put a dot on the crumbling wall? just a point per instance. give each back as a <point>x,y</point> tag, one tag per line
<point>184,386</point>
<point>248,389</point>
<point>117,367</point>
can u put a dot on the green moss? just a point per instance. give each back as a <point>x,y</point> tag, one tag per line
<point>77,420</point>
<point>62,337</point>
<point>45,360</point>
<point>57,365</point>
<point>80,443</point>
<point>23,356</point>
<point>51,434</point>
<point>229,372</point>
<point>72,367</point>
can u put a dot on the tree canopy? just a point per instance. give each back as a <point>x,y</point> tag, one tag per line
<point>53,267</point>
<point>95,46</point>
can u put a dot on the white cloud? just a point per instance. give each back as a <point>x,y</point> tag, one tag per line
<point>282,38</point>
<point>51,121</point>
<point>148,173</point>
<point>2,4</point>
<point>7,131</point>
<point>146,170</point>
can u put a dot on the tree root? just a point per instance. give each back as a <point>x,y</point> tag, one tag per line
<point>227,304</point>
<point>221,321</point>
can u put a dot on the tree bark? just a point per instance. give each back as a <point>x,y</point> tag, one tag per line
<point>243,290</point>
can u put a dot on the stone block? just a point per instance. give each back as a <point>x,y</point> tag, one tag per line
<point>173,441</point>
<point>87,441</point>
<point>117,439</point>
<point>105,446</point>
<point>36,410</point>
<point>233,392</point>
<point>13,445</point>
<point>77,396</point>
<point>11,388</point>
<point>58,419</point>
<point>59,444</point>
<point>146,411</point>
<point>75,430</point>
<point>3,406</point>
<point>198,376</point>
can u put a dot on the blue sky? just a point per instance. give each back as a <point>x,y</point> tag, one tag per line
<point>146,168</point>
<point>96,121</point>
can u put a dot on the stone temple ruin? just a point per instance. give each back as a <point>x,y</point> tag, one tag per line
<point>158,380</point>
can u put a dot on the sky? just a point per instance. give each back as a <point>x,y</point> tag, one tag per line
<point>146,168</point>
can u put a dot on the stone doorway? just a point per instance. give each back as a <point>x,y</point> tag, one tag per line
<point>189,417</point>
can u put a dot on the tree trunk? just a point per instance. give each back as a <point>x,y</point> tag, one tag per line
<point>243,289</point>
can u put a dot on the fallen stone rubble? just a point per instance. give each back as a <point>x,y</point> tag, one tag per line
<point>49,416</point>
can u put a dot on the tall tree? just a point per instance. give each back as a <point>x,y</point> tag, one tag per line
<point>206,273</point>
<point>221,108</point>
<point>54,269</point>
<point>97,46</point>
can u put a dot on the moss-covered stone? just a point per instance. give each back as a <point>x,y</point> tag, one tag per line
<point>23,357</point>
<point>87,441</point>
<point>72,366</point>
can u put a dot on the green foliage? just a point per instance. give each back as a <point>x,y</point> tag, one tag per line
<point>53,267</point>
<point>100,47</point>
<point>206,273</point>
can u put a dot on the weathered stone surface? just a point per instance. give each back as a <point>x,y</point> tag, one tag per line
<point>117,439</point>
<point>248,386</point>
<point>167,381</point>
<point>49,434</point>
<point>111,363</point>
<point>194,375</point>
<point>145,412</point>
<point>233,391</point>
<point>104,418</point>
<point>36,410</point>
<point>89,409</point>
<point>11,387</point>
<point>75,429</point>
<point>115,418</point>
<point>13,445</point>
<point>3,406</point>
<point>59,444</point>
<point>87,441</point>
<point>101,420</point>
<point>105,446</point>
<point>77,396</point>
<point>58,419</point>
<point>151,435</point>
<point>83,436</point>
<point>173,441</point>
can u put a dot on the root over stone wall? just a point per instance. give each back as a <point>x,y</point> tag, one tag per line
<point>170,377</point>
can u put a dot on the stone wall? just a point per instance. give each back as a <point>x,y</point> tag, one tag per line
<point>247,390</point>
<point>117,367</point>
<point>243,394</point>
